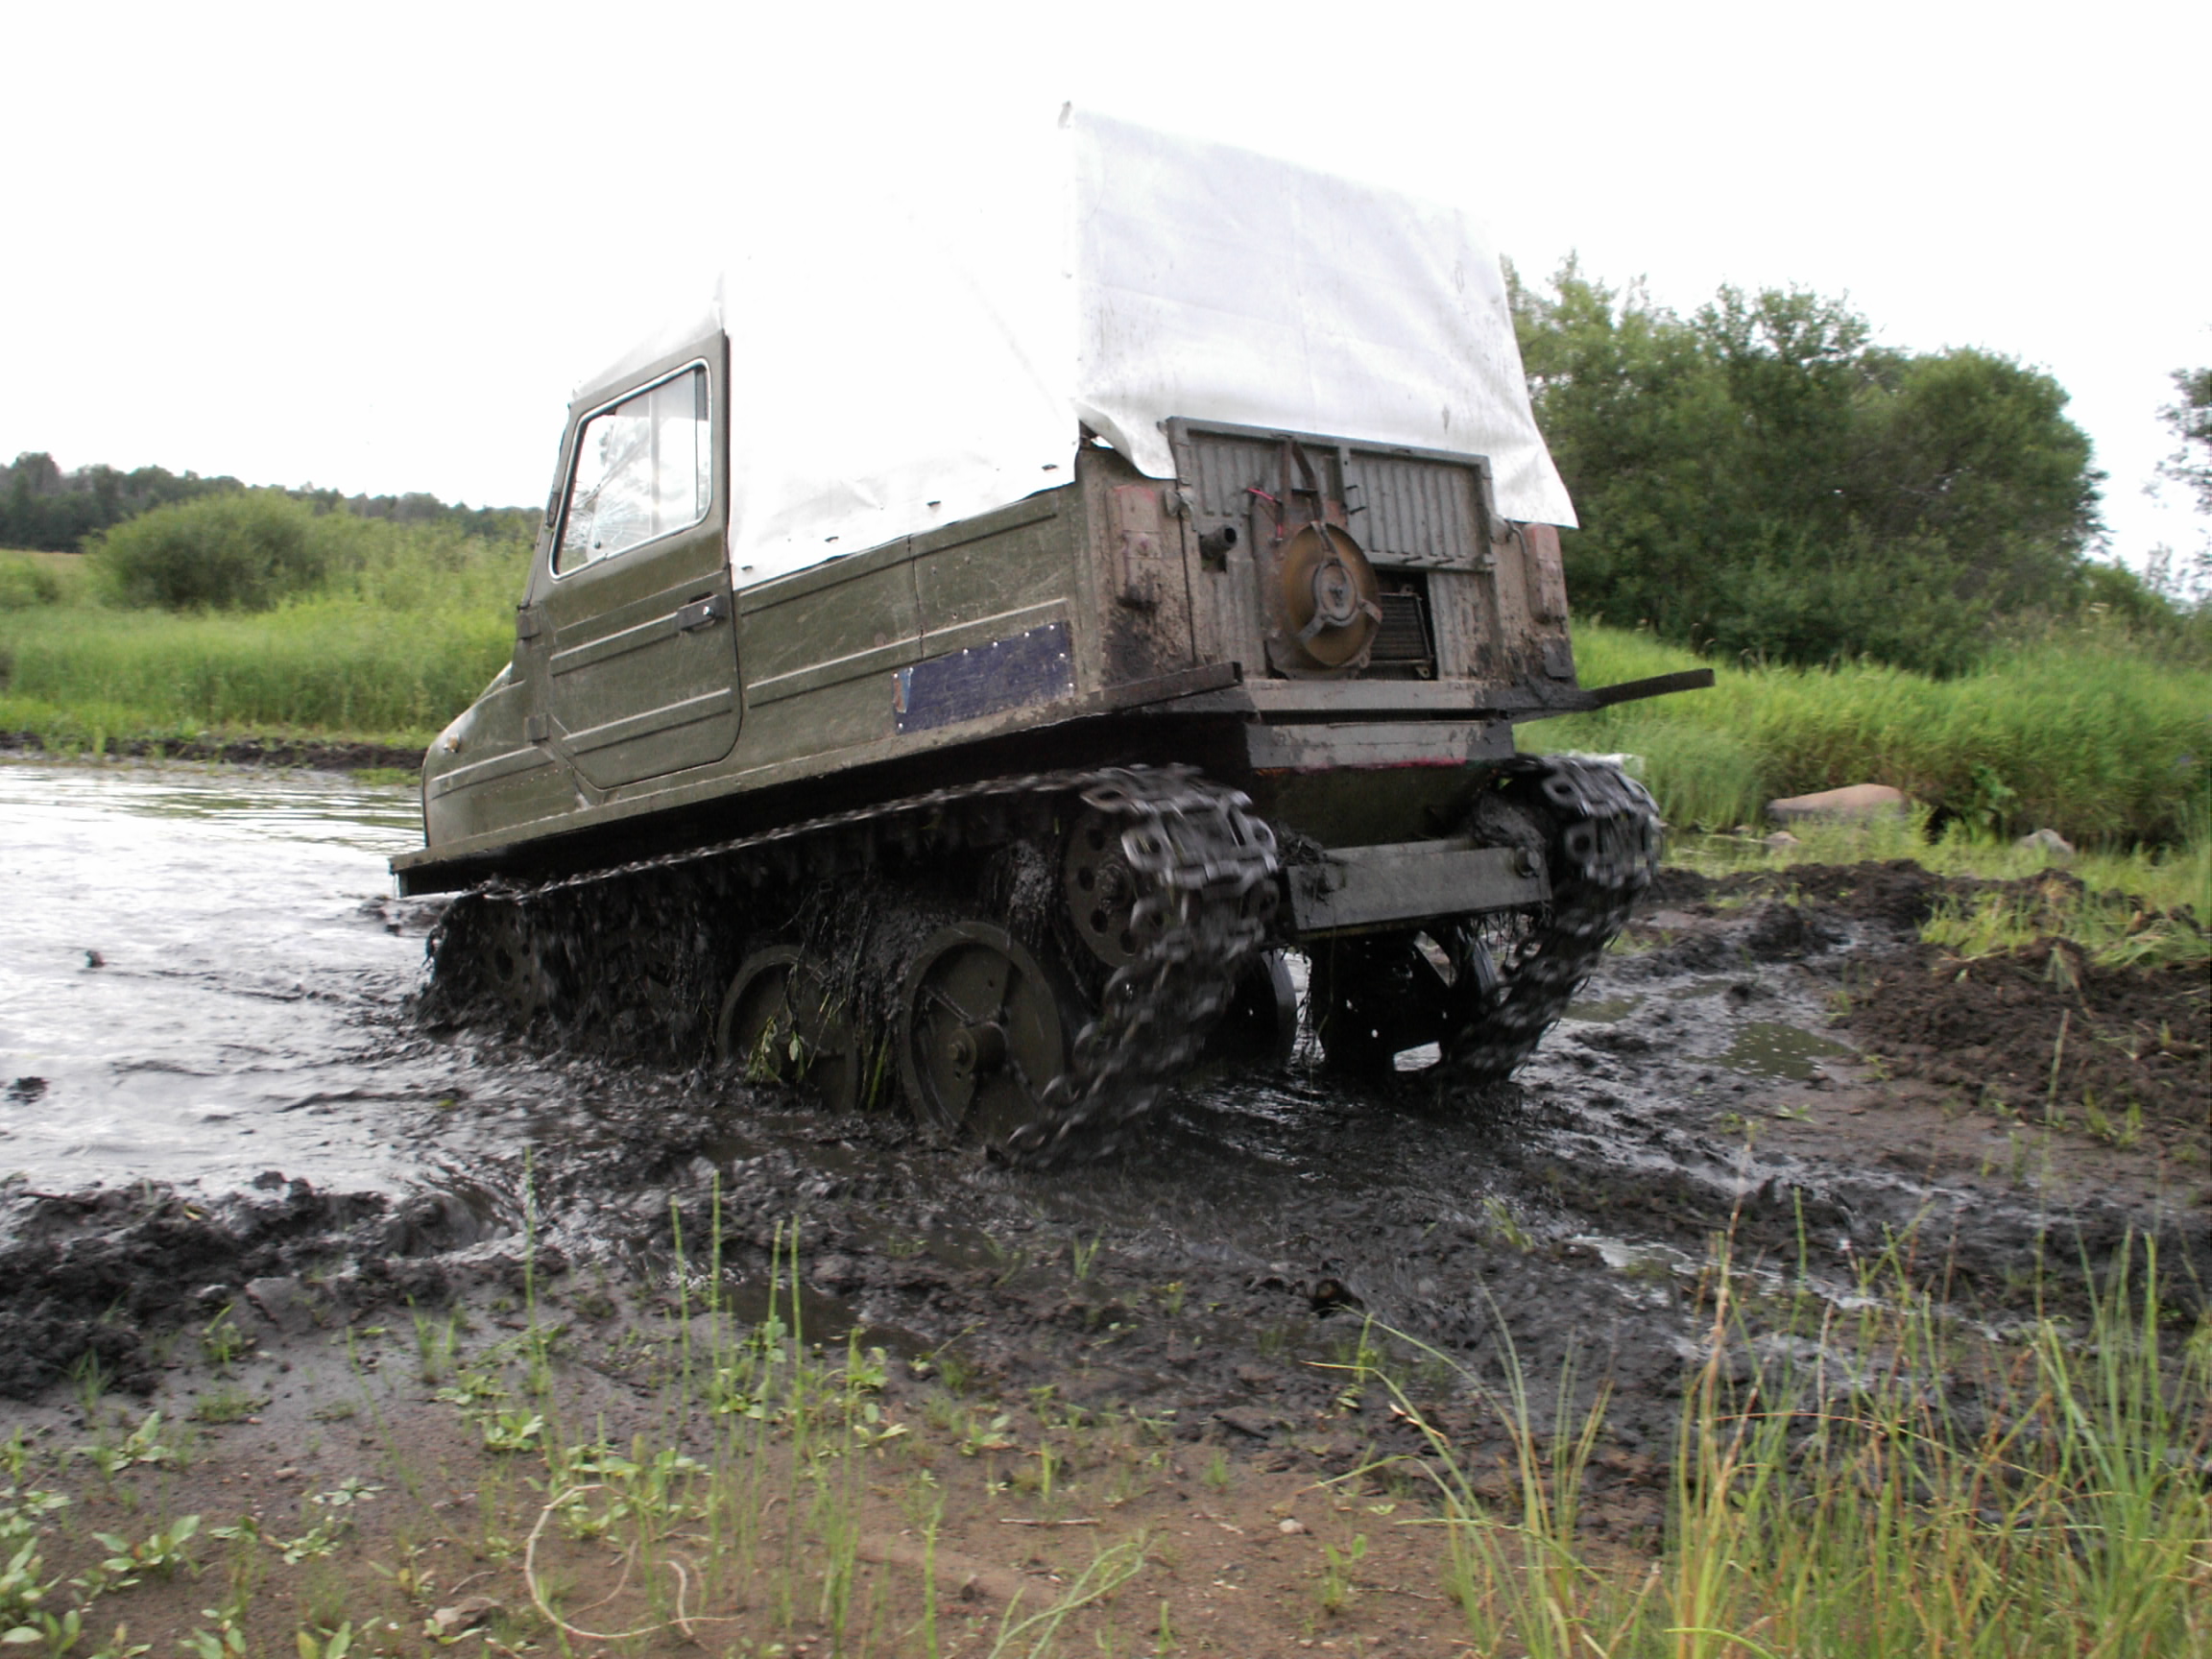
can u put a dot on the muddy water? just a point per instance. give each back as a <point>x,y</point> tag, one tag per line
<point>203,978</point>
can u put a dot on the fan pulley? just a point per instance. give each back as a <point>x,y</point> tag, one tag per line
<point>1327,604</point>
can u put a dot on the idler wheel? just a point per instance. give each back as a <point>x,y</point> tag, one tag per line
<point>782,1023</point>
<point>980,1032</point>
<point>1100,891</point>
<point>1260,1024</point>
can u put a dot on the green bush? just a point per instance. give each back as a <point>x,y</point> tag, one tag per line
<point>244,550</point>
<point>1761,476</point>
<point>27,580</point>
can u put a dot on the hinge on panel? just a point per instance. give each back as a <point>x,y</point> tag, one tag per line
<point>528,624</point>
<point>536,729</point>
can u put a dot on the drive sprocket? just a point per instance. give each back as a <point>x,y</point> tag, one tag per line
<point>1602,834</point>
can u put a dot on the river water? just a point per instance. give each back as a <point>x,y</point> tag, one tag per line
<point>203,977</point>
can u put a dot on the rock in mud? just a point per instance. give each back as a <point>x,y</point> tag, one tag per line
<point>1247,1420</point>
<point>448,1623</point>
<point>836,1274</point>
<point>285,1303</point>
<point>1852,801</point>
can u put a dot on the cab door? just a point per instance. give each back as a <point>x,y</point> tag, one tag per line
<point>634,649</point>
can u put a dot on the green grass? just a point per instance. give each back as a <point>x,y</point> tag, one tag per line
<point>322,665</point>
<point>2113,925</point>
<point>390,649</point>
<point>1889,1480</point>
<point>2120,914</point>
<point>2079,733</point>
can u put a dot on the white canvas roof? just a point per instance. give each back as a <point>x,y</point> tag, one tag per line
<point>937,363</point>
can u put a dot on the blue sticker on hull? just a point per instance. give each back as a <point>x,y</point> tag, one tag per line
<point>1022,668</point>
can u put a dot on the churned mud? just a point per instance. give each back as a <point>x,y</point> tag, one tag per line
<point>1772,1067</point>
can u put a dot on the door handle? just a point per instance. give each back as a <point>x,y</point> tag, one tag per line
<point>700,613</point>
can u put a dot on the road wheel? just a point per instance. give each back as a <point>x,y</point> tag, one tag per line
<point>782,1022</point>
<point>1260,1028</point>
<point>981,1032</point>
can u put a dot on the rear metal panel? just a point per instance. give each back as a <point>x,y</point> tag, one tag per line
<point>1361,887</point>
<point>1417,512</point>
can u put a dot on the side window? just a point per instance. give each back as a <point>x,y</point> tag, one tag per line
<point>643,469</point>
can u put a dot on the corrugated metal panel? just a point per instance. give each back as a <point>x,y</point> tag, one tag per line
<point>1414,512</point>
<point>1227,468</point>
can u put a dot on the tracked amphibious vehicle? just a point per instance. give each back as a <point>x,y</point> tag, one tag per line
<point>1193,597</point>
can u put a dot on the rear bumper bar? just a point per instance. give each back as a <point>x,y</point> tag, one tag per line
<point>1657,685</point>
<point>1359,889</point>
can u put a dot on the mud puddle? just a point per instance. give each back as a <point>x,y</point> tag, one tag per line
<point>304,1154</point>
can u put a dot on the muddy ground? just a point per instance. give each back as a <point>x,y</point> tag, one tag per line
<point>1773,1061</point>
<point>306,752</point>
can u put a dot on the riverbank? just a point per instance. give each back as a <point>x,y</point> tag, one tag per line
<point>2083,731</point>
<point>386,651</point>
<point>314,753</point>
<point>1455,1343</point>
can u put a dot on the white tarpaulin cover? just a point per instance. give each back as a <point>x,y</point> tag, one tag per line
<point>937,363</point>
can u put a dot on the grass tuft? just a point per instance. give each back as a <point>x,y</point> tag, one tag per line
<point>1885,1481</point>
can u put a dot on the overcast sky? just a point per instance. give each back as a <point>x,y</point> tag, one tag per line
<point>376,247</point>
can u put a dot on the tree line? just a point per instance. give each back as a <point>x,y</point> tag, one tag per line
<point>1762,477</point>
<point>45,509</point>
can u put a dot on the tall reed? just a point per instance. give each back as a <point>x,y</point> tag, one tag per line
<point>2078,732</point>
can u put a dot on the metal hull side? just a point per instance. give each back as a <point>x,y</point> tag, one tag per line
<point>1025,635</point>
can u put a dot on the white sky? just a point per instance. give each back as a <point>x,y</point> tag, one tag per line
<point>375,247</point>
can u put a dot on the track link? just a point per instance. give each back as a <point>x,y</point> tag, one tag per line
<point>1604,831</point>
<point>622,954</point>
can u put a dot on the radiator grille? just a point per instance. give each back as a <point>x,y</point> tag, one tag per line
<point>1402,640</point>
